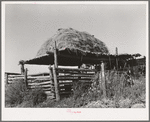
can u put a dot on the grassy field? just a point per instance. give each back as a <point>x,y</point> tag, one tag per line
<point>91,96</point>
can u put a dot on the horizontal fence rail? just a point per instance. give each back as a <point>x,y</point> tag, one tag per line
<point>40,80</point>
<point>66,77</point>
<point>45,81</point>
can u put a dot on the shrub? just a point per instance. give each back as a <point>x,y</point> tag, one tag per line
<point>17,93</point>
<point>81,96</point>
<point>103,103</point>
<point>136,90</point>
<point>35,96</point>
<point>79,89</point>
<point>90,95</point>
<point>137,72</point>
<point>125,103</point>
<point>47,103</point>
<point>84,93</point>
<point>14,93</point>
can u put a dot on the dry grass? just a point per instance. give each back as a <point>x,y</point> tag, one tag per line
<point>119,95</point>
<point>73,39</point>
<point>16,95</point>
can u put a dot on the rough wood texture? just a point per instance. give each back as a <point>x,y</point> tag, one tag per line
<point>39,81</point>
<point>73,78</point>
<point>22,68</point>
<point>56,85</point>
<point>55,56</point>
<point>39,77</point>
<point>50,72</point>
<point>6,78</point>
<point>11,73</point>
<point>16,76</point>
<point>71,69</point>
<point>78,75</point>
<point>40,85</point>
<point>65,83</point>
<point>25,77</point>
<point>14,79</point>
<point>116,58</point>
<point>103,79</point>
<point>31,78</point>
<point>39,74</point>
<point>74,72</point>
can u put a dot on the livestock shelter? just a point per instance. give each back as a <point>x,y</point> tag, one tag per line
<point>69,47</point>
<point>75,48</point>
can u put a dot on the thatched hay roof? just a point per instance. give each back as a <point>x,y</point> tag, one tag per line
<point>73,40</point>
<point>75,48</point>
<point>66,58</point>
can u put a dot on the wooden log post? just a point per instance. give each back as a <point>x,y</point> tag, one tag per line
<point>55,56</point>
<point>79,78</point>
<point>21,63</point>
<point>51,76</point>
<point>22,69</point>
<point>50,72</point>
<point>117,81</point>
<point>56,84</point>
<point>6,78</point>
<point>103,79</point>
<point>116,58</point>
<point>26,77</point>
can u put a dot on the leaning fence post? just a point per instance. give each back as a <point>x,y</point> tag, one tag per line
<point>50,72</point>
<point>25,77</point>
<point>55,56</point>
<point>51,78</point>
<point>103,79</point>
<point>56,84</point>
<point>6,78</point>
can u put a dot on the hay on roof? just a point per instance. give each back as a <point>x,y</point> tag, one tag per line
<point>73,40</point>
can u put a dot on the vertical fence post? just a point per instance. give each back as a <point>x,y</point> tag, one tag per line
<point>56,84</point>
<point>22,68</point>
<point>103,79</point>
<point>79,72</point>
<point>26,77</point>
<point>50,72</point>
<point>55,56</point>
<point>117,81</point>
<point>6,78</point>
<point>51,78</point>
<point>116,58</point>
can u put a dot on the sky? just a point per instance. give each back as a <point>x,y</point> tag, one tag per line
<point>28,26</point>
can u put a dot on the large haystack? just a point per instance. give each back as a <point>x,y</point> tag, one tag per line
<point>76,48</point>
<point>73,40</point>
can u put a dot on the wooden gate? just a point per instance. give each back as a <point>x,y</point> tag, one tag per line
<point>66,77</point>
<point>33,81</point>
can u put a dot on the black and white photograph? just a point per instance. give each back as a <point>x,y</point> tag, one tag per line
<point>85,60</point>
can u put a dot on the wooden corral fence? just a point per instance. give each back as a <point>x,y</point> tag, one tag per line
<point>33,81</point>
<point>59,81</point>
<point>55,85</point>
<point>66,77</point>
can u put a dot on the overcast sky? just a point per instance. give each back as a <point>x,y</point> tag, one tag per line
<point>28,26</point>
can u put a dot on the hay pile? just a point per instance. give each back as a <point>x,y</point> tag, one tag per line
<point>73,40</point>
